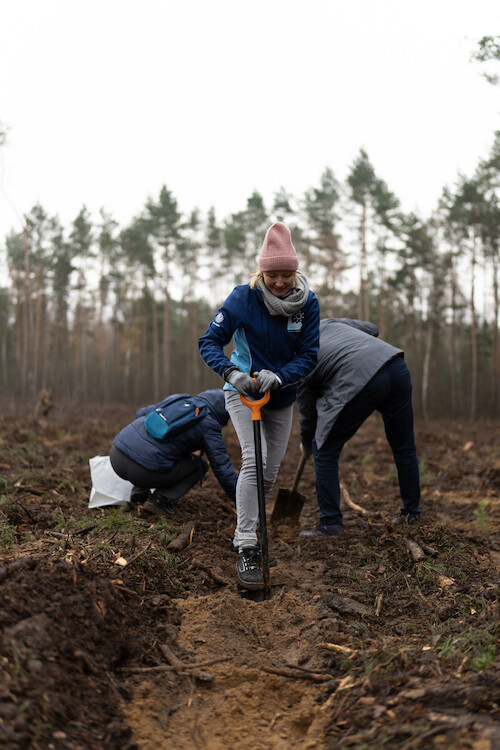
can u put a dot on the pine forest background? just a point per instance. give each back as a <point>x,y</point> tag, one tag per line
<point>99,312</point>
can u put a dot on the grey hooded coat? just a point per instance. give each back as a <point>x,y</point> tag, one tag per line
<point>348,358</point>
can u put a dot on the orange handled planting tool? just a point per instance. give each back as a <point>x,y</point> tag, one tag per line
<point>255,407</point>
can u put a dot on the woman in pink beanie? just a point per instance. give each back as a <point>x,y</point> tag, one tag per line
<point>274,324</point>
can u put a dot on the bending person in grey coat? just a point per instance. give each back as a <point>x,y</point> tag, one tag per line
<point>356,375</point>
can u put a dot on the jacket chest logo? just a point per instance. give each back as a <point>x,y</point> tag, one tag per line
<point>295,322</point>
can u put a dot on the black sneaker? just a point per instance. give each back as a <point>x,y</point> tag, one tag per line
<point>159,505</point>
<point>248,568</point>
<point>271,558</point>
<point>406,519</point>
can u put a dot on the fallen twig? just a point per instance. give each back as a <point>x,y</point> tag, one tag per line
<point>347,499</point>
<point>432,551</point>
<point>211,573</point>
<point>414,549</point>
<point>121,587</point>
<point>184,538</point>
<point>32,490</point>
<point>33,520</point>
<point>57,534</point>
<point>136,556</point>
<point>181,667</point>
<point>305,669</point>
<point>277,599</point>
<point>85,530</point>
<point>378,606</point>
<point>170,668</point>
<point>298,675</point>
<point>326,706</point>
<point>337,647</point>
<point>418,741</point>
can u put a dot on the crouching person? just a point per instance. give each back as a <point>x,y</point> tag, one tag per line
<point>163,469</point>
<point>356,375</point>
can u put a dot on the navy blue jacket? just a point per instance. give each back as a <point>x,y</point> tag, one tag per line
<point>286,345</point>
<point>161,455</point>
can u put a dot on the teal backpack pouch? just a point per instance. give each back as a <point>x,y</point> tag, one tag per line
<point>177,414</point>
<point>156,425</point>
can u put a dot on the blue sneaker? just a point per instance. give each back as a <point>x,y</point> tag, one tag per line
<point>323,531</point>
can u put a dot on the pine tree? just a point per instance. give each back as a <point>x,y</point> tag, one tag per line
<point>164,226</point>
<point>138,309</point>
<point>320,205</point>
<point>81,238</point>
<point>374,206</point>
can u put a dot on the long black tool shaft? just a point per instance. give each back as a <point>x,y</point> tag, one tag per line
<point>264,549</point>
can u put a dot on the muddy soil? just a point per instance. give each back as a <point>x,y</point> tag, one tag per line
<point>382,638</point>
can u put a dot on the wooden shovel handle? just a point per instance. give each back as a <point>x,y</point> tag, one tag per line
<point>298,473</point>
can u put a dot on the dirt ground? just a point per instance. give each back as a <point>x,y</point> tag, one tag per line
<point>111,639</point>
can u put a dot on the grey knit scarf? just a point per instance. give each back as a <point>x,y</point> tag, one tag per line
<point>289,305</point>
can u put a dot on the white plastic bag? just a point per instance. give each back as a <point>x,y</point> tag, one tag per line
<point>107,487</point>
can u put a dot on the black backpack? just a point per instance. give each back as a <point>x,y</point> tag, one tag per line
<point>176,414</point>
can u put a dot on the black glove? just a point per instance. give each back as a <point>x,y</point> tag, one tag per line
<point>243,383</point>
<point>267,380</point>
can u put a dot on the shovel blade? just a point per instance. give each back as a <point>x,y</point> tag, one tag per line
<point>288,505</point>
<point>258,595</point>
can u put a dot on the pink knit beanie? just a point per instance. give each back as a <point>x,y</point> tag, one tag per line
<point>278,252</point>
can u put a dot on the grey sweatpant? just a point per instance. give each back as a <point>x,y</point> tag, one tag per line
<point>275,431</point>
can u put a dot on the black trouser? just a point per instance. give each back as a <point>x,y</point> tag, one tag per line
<point>173,484</point>
<point>389,392</point>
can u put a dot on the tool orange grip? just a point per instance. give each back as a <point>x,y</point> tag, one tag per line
<point>255,405</point>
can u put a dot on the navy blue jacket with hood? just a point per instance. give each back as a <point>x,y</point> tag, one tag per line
<point>286,345</point>
<point>205,435</point>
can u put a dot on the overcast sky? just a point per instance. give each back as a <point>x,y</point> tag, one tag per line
<point>107,100</point>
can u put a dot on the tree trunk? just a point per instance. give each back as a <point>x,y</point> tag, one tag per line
<point>426,368</point>
<point>83,342</point>
<point>102,349</point>
<point>411,337</point>
<point>142,379</point>
<point>156,353</point>
<point>166,344</point>
<point>473,399</point>
<point>38,331</point>
<point>495,364</point>
<point>382,299</point>
<point>77,353</point>
<point>363,282</point>
<point>453,343</point>
<point>27,322</point>
<point>193,353</point>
